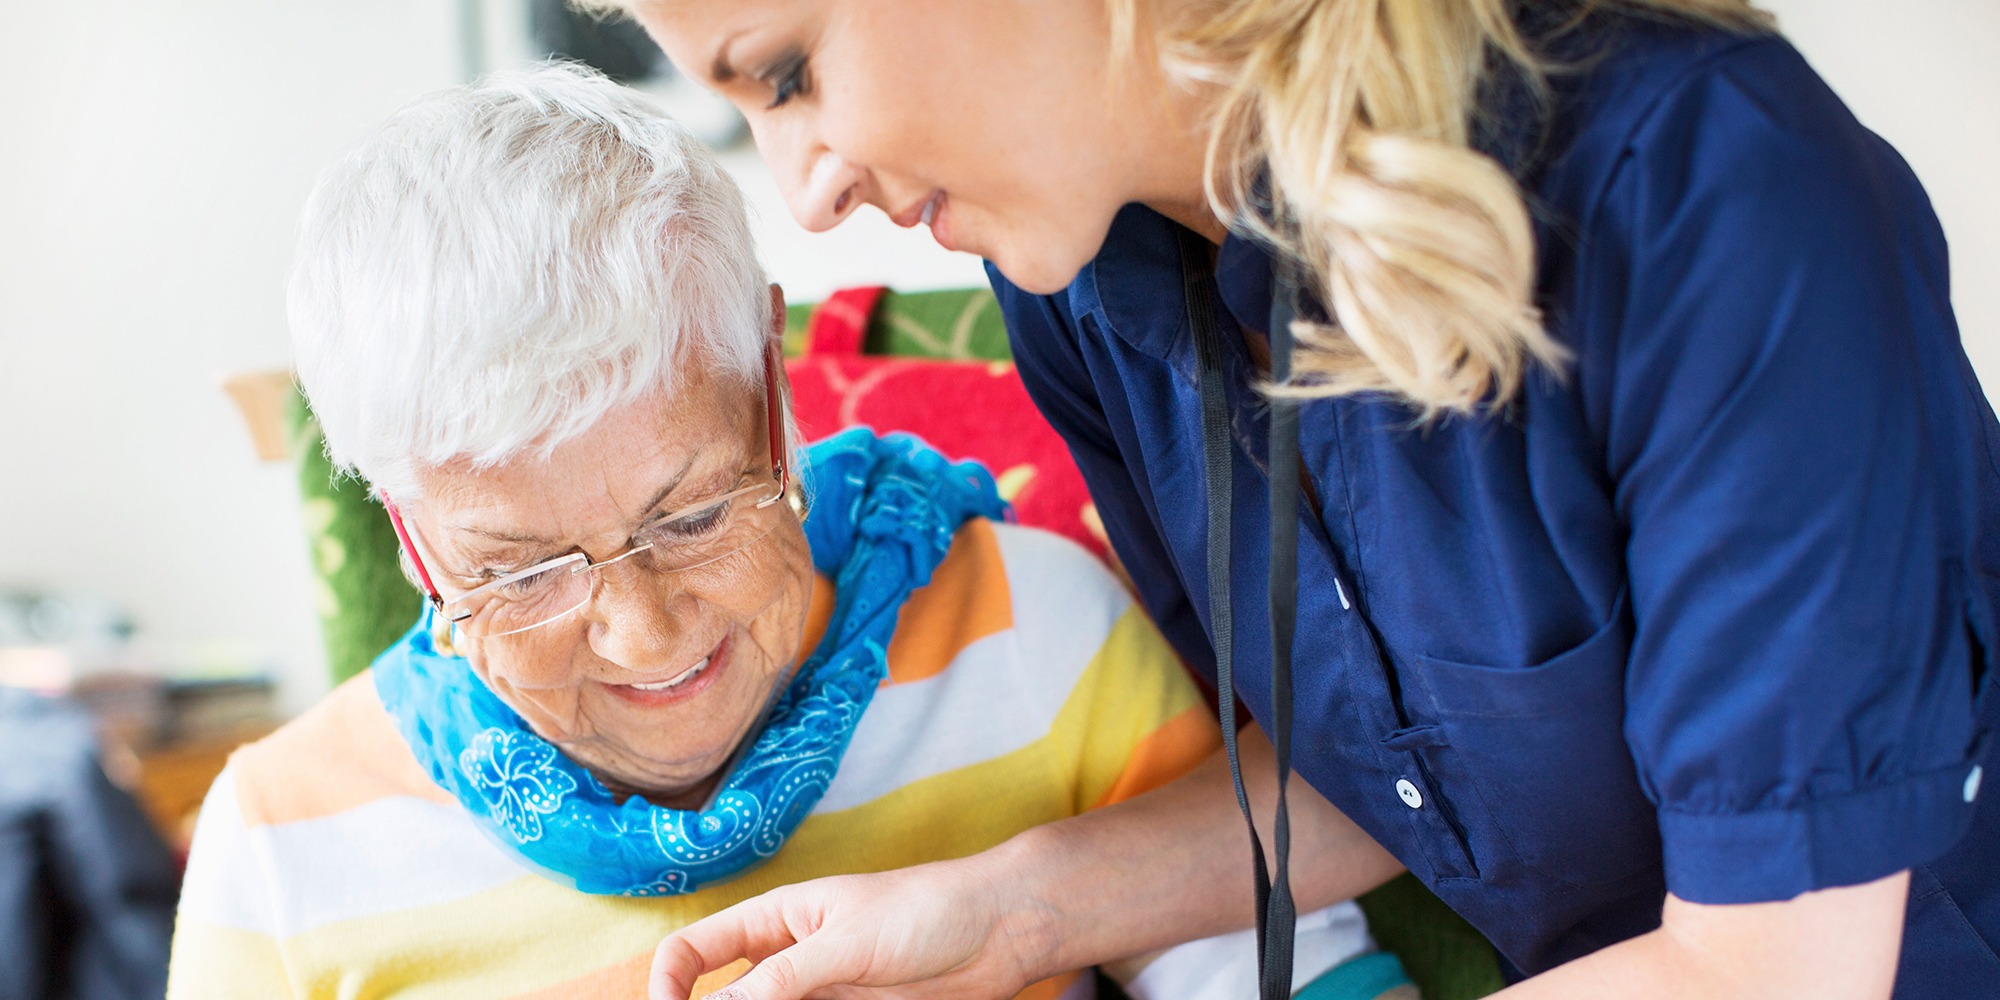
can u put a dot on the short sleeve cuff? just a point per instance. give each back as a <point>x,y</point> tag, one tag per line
<point>1762,857</point>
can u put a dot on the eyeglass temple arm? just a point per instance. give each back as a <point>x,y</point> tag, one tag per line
<point>410,548</point>
<point>774,414</point>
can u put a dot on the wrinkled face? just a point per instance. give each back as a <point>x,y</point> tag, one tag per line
<point>604,682</point>
<point>1007,124</point>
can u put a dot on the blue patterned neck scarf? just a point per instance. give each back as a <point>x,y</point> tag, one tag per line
<point>883,513</point>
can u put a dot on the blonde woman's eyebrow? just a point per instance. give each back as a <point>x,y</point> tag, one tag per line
<point>720,71</point>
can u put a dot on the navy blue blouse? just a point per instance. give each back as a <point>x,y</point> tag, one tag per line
<point>1708,612</point>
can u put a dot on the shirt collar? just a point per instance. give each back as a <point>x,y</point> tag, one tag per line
<point>1134,289</point>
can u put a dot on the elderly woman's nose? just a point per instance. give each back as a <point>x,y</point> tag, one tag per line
<point>636,626</point>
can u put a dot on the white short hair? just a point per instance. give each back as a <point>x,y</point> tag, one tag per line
<point>499,265</point>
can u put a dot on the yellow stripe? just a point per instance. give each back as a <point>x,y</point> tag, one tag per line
<point>1134,686</point>
<point>224,963</point>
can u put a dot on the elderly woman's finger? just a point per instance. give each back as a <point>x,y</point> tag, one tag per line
<point>753,929</point>
<point>788,975</point>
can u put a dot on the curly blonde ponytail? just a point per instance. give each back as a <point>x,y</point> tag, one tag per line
<point>1356,114</point>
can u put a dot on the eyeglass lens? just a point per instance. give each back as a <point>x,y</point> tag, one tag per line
<point>699,539</point>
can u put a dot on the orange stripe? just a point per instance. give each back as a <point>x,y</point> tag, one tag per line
<point>966,600</point>
<point>355,753</point>
<point>1049,989</point>
<point>628,979</point>
<point>1166,753</point>
<point>714,980</point>
<point>625,979</point>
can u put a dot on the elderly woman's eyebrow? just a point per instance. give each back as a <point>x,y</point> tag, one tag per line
<point>517,537</point>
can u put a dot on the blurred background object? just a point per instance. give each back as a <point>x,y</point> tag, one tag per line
<point>620,48</point>
<point>87,890</point>
<point>163,719</point>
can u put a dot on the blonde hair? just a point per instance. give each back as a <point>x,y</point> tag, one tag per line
<point>1351,120</point>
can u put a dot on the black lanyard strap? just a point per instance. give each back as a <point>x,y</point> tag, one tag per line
<point>1276,911</point>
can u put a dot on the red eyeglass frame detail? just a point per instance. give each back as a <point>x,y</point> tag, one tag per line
<point>773,422</point>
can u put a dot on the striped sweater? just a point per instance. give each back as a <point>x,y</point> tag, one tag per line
<point>1024,686</point>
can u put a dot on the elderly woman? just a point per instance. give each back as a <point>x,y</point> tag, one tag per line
<point>644,687</point>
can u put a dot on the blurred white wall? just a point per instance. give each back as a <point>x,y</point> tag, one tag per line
<point>154,153</point>
<point>153,160</point>
<point>1925,75</point>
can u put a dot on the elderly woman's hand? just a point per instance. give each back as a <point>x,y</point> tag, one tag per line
<point>949,929</point>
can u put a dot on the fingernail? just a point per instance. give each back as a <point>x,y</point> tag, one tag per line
<point>727,993</point>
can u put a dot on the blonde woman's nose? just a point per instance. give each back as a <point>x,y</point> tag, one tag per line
<point>830,190</point>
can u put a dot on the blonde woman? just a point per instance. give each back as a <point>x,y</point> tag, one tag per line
<point>1633,576</point>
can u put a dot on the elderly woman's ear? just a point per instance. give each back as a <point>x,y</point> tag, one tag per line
<point>777,311</point>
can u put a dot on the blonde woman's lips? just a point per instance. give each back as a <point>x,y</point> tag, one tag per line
<point>687,684</point>
<point>937,216</point>
<point>920,213</point>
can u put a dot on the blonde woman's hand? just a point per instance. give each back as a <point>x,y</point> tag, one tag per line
<point>938,930</point>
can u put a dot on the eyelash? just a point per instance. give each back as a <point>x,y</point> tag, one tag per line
<point>787,79</point>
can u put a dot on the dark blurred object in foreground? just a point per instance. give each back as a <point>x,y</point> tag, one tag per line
<point>87,889</point>
<point>615,46</point>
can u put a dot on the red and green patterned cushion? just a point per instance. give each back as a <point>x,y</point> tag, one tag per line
<point>965,408</point>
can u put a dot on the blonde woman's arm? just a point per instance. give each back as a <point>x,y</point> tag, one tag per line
<point>1834,944</point>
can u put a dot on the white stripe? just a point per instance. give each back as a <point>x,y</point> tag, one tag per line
<point>1224,967</point>
<point>1065,603</point>
<point>226,884</point>
<point>1001,692</point>
<point>391,854</point>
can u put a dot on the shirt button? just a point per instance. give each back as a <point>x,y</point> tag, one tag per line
<point>1411,797</point>
<point>1972,782</point>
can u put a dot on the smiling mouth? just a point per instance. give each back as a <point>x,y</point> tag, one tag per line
<point>686,684</point>
<point>677,680</point>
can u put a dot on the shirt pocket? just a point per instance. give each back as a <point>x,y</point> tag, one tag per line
<point>1533,759</point>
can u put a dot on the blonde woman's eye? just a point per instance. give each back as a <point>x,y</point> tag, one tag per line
<point>787,79</point>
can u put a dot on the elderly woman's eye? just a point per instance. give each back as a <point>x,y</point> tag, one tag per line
<point>695,525</point>
<point>787,79</point>
<point>527,587</point>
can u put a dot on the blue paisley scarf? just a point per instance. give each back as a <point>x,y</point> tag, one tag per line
<point>883,513</point>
